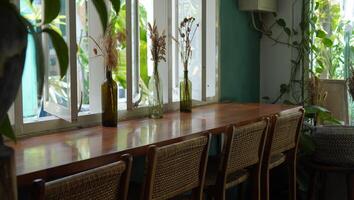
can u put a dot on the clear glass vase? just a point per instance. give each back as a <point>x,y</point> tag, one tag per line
<point>185,94</point>
<point>155,95</point>
<point>109,101</point>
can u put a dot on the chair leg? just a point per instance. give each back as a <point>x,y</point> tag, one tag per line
<point>350,186</point>
<point>322,194</point>
<point>265,184</point>
<point>313,184</point>
<point>292,180</point>
<point>240,191</point>
<point>197,193</point>
<point>256,183</point>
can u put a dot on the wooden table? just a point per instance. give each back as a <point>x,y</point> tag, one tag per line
<point>61,154</point>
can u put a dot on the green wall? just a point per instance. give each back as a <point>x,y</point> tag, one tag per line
<point>239,54</point>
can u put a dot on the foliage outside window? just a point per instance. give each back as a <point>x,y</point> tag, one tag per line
<point>333,36</point>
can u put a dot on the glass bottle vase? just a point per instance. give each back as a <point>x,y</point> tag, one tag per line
<point>185,94</point>
<point>155,96</point>
<point>109,101</point>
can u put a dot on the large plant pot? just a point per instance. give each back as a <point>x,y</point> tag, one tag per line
<point>8,186</point>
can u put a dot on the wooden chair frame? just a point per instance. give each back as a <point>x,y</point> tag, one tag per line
<point>290,159</point>
<point>221,183</point>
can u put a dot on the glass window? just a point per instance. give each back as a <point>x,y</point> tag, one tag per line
<point>134,60</point>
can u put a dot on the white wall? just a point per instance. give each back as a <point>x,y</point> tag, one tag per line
<point>275,59</point>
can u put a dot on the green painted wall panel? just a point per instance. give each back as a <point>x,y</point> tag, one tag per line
<point>239,56</point>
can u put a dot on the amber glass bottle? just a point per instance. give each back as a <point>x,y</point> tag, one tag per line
<point>109,101</point>
<point>185,94</point>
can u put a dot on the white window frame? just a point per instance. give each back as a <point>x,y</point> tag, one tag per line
<point>78,120</point>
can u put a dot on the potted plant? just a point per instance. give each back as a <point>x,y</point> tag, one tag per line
<point>158,53</point>
<point>13,45</point>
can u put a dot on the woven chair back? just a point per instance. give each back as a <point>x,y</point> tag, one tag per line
<point>286,132</point>
<point>246,146</point>
<point>109,182</point>
<point>175,169</point>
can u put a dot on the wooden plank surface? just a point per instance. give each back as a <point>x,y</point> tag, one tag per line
<point>65,153</point>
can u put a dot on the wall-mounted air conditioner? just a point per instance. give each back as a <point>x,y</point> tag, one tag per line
<point>258,5</point>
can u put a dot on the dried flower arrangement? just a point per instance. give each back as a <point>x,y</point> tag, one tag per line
<point>158,44</point>
<point>186,31</point>
<point>350,82</point>
<point>107,48</point>
<point>158,53</point>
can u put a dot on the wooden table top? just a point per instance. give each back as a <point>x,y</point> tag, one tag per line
<point>61,154</point>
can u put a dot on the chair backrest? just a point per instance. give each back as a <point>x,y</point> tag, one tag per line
<point>285,131</point>
<point>107,183</point>
<point>244,146</point>
<point>176,168</point>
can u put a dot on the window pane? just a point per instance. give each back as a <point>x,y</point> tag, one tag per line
<point>145,15</point>
<point>31,104</point>
<point>191,8</point>
<point>120,73</point>
<point>83,71</point>
<point>57,92</point>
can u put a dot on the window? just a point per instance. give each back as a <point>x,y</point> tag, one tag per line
<point>75,100</point>
<point>333,58</point>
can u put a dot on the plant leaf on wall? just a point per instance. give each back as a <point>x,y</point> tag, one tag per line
<point>61,49</point>
<point>51,10</point>
<point>101,8</point>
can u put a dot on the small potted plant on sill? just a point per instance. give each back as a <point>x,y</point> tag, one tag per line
<point>158,53</point>
<point>13,46</point>
<point>186,32</point>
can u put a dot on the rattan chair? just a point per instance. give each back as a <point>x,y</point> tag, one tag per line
<point>281,146</point>
<point>109,182</point>
<point>175,169</point>
<point>240,160</point>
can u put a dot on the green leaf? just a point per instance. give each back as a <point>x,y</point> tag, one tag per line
<point>116,5</point>
<point>281,22</point>
<point>51,10</point>
<point>101,8</point>
<point>287,31</point>
<point>327,42</point>
<point>39,62</point>
<point>61,50</point>
<point>321,34</point>
<point>6,129</point>
<point>39,55</point>
<point>319,70</point>
<point>315,109</point>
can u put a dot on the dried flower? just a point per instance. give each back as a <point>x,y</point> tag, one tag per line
<point>108,48</point>
<point>186,31</point>
<point>158,44</point>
